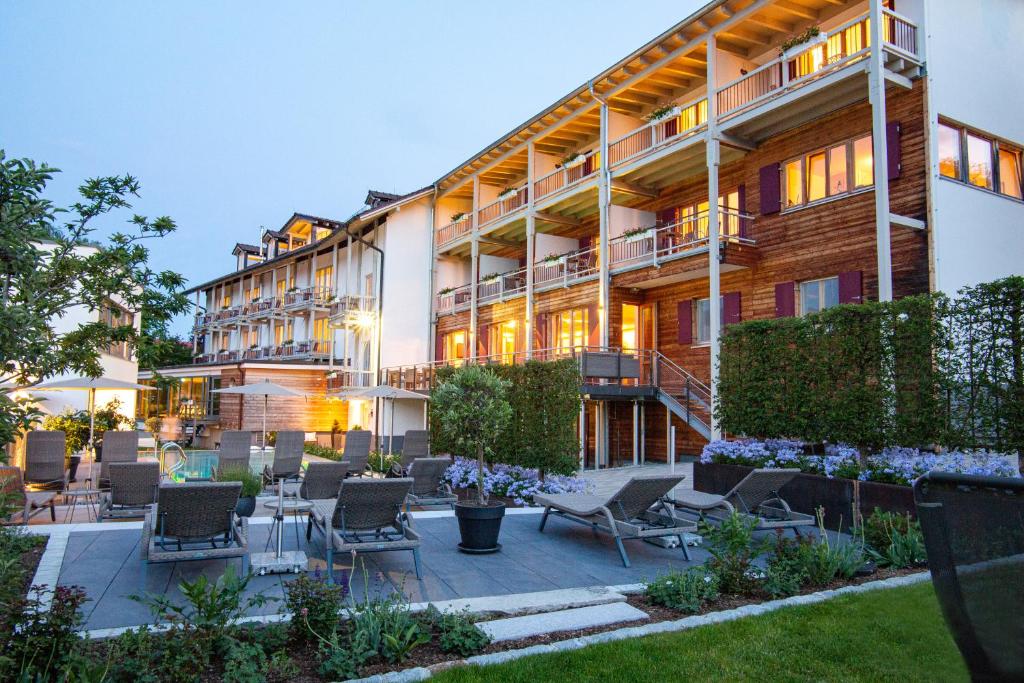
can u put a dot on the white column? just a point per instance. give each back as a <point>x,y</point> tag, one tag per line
<point>714,247</point>
<point>876,95</point>
<point>604,199</point>
<point>474,270</point>
<point>531,251</point>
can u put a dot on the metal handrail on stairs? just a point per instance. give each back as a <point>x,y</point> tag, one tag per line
<point>178,464</point>
<point>679,387</point>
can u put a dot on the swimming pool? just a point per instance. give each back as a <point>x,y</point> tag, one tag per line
<point>201,464</point>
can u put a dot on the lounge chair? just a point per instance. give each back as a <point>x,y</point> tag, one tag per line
<point>195,521</point>
<point>428,484</point>
<point>756,497</point>
<point>322,480</point>
<point>637,510</point>
<point>367,517</point>
<point>26,503</point>
<point>133,487</point>
<point>117,447</point>
<point>235,449</point>
<point>357,451</point>
<point>287,458</point>
<point>415,444</point>
<point>44,460</point>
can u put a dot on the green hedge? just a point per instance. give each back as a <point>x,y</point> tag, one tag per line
<point>545,400</point>
<point>918,371</point>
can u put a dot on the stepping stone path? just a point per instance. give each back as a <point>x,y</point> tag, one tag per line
<point>515,628</point>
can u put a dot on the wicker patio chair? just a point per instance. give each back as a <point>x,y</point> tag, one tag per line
<point>973,529</point>
<point>357,451</point>
<point>322,480</point>
<point>756,497</point>
<point>25,503</point>
<point>195,521</point>
<point>367,517</point>
<point>235,449</point>
<point>637,510</point>
<point>287,458</point>
<point>117,447</point>
<point>428,484</point>
<point>133,487</point>
<point>44,460</point>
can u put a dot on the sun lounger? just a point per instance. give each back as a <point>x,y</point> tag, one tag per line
<point>357,451</point>
<point>44,460</point>
<point>367,517</point>
<point>235,449</point>
<point>428,484</point>
<point>117,447</point>
<point>322,480</point>
<point>133,487</point>
<point>637,510</point>
<point>195,521</point>
<point>26,503</point>
<point>415,444</point>
<point>287,458</point>
<point>756,496</point>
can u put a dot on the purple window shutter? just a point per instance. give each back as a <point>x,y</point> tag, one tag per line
<point>785,299</point>
<point>731,308</point>
<point>742,208</point>
<point>850,287</point>
<point>483,341</point>
<point>439,346</point>
<point>584,243</point>
<point>539,331</point>
<point>892,148</point>
<point>594,333</point>
<point>684,321</point>
<point>771,189</point>
<point>666,216</point>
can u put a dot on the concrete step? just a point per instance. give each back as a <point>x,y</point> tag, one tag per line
<point>530,603</point>
<point>515,628</point>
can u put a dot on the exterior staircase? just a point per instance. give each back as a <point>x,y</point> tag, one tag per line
<point>684,395</point>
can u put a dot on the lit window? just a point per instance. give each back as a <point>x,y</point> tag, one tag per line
<point>455,346</point>
<point>949,151</point>
<point>837,172</point>
<point>863,165</point>
<point>324,280</point>
<point>568,330</point>
<point>794,183</point>
<point>817,295</point>
<point>703,314</point>
<point>1009,173</point>
<point>816,176</point>
<point>979,161</point>
<point>321,330</point>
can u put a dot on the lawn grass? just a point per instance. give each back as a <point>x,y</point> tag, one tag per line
<point>886,635</point>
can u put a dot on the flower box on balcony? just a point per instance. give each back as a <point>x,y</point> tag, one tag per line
<point>508,193</point>
<point>794,46</point>
<point>637,234</point>
<point>663,113</point>
<point>574,160</point>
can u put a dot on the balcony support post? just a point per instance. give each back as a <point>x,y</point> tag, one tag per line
<point>636,433</point>
<point>604,195</point>
<point>876,95</point>
<point>531,251</point>
<point>474,269</point>
<point>714,245</point>
<point>195,327</point>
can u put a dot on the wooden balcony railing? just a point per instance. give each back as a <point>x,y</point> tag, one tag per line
<point>454,299</point>
<point>503,207</point>
<point>347,378</point>
<point>565,269</point>
<point>502,286</point>
<point>684,121</point>
<point>567,176</point>
<point>455,230</point>
<point>307,296</point>
<point>662,243</point>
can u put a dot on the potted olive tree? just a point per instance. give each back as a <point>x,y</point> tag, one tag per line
<point>472,409</point>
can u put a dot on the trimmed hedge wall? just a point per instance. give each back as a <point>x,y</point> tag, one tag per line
<point>922,370</point>
<point>545,400</point>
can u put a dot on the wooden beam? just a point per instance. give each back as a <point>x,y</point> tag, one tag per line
<point>899,80</point>
<point>557,219</point>
<point>906,221</point>
<point>797,10</point>
<point>633,188</point>
<point>773,24</point>
<point>737,142</point>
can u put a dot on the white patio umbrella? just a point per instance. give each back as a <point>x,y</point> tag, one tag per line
<point>90,384</point>
<point>390,394</point>
<point>266,389</point>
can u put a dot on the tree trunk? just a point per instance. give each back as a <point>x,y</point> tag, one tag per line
<point>480,475</point>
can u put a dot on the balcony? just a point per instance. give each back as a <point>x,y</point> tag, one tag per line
<point>501,286</point>
<point>346,378</point>
<point>656,245</point>
<point>813,61</point>
<point>680,123</point>
<point>315,297</point>
<point>453,299</point>
<point>353,310</point>
<point>516,199</point>
<point>570,174</point>
<point>454,230</point>
<point>225,315</point>
<point>562,270</point>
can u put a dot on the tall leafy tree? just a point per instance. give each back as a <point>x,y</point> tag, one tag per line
<point>51,264</point>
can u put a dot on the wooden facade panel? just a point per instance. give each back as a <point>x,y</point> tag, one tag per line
<point>312,413</point>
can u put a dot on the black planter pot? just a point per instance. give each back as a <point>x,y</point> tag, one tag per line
<point>73,463</point>
<point>245,506</point>
<point>479,526</point>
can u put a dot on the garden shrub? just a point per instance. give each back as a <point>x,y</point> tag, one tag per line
<point>42,642</point>
<point>456,631</point>
<point>687,591</point>
<point>894,540</point>
<point>315,605</point>
<point>733,550</point>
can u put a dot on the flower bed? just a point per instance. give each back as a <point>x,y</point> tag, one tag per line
<point>518,484</point>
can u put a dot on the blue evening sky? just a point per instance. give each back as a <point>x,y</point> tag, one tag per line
<point>235,114</point>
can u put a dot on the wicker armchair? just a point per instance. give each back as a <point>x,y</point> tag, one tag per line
<point>195,521</point>
<point>29,503</point>
<point>367,517</point>
<point>133,487</point>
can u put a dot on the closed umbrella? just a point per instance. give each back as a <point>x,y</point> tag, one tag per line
<point>90,384</point>
<point>390,394</point>
<point>266,389</point>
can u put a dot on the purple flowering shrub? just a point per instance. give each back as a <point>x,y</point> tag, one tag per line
<point>894,465</point>
<point>520,484</point>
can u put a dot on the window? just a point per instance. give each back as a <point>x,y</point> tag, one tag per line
<point>321,330</point>
<point>980,160</point>
<point>567,330</point>
<point>692,219</point>
<point>226,301</point>
<point>702,311</point>
<point>454,344</point>
<point>324,280</point>
<point>502,341</point>
<point>115,316</point>
<point>817,295</point>
<point>827,172</point>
